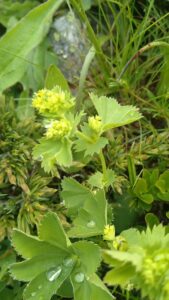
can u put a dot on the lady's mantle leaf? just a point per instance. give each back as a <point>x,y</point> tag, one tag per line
<point>51,231</point>
<point>51,259</point>
<point>97,179</point>
<point>29,269</point>
<point>46,284</point>
<point>112,113</point>
<point>52,151</point>
<point>91,288</point>
<point>89,254</point>
<point>75,194</point>
<point>88,141</point>
<point>53,264</point>
<point>120,275</point>
<point>66,289</point>
<point>99,290</point>
<point>90,148</point>
<point>6,259</point>
<point>92,218</point>
<point>29,246</point>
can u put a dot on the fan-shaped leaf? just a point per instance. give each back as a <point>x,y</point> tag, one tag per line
<point>51,231</point>
<point>112,113</point>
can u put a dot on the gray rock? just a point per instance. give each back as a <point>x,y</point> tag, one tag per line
<point>70,43</point>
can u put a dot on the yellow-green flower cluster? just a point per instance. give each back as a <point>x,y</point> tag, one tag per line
<point>53,102</point>
<point>109,233</point>
<point>59,129</point>
<point>154,268</point>
<point>95,124</point>
<point>117,242</point>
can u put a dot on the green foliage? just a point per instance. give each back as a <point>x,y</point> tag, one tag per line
<point>51,151</point>
<point>88,143</point>
<point>88,209</point>
<point>152,186</point>
<point>55,77</point>
<point>98,180</point>
<point>113,114</point>
<point>11,11</point>
<point>23,37</point>
<point>24,204</point>
<point>163,186</point>
<point>151,220</point>
<point>57,148</point>
<point>62,261</point>
<point>144,263</point>
<point>105,173</point>
<point>38,61</point>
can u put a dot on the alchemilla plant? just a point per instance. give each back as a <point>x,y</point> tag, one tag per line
<point>65,136</point>
<point>69,268</point>
<point>54,265</point>
<point>142,264</point>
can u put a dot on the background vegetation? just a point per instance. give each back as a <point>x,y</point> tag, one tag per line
<point>124,55</point>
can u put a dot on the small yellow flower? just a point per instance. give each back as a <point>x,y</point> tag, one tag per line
<point>59,129</point>
<point>53,102</point>
<point>95,123</point>
<point>109,233</point>
<point>120,243</point>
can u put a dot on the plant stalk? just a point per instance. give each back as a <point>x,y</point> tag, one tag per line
<point>103,163</point>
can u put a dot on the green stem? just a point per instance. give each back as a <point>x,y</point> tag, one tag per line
<point>83,74</point>
<point>103,163</point>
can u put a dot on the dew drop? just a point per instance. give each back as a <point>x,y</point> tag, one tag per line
<point>39,287</point>
<point>68,262</point>
<point>33,294</point>
<point>91,224</point>
<point>54,273</point>
<point>40,158</point>
<point>79,277</point>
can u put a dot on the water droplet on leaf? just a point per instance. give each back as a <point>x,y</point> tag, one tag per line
<point>33,294</point>
<point>68,262</point>
<point>79,277</point>
<point>54,273</point>
<point>91,224</point>
<point>39,287</point>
